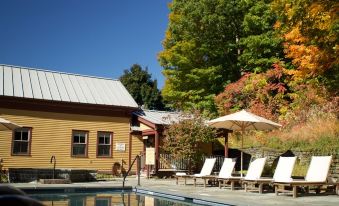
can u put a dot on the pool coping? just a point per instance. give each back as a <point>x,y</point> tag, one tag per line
<point>169,195</point>
<point>73,188</point>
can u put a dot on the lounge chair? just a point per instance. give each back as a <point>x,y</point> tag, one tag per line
<point>254,172</point>
<point>282,172</point>
<point>206,170</point>
<point>225,171</point>
<point>334,182</point>
<point>316,176</point>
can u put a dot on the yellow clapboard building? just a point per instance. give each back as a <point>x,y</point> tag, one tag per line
<point>83,121</point>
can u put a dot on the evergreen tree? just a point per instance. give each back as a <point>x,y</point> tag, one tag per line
<point>143,89</point>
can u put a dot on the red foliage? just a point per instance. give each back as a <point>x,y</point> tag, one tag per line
<point>263,94</point>
<point>231,95</point>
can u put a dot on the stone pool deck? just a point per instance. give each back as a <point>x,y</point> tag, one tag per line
<point>214,194</point>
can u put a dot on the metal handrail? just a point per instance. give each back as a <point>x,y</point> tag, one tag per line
<point>53,158</point>
<point>130,167</point>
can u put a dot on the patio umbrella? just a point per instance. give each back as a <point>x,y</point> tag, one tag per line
<point>7,125</point>
<point>241,121</point>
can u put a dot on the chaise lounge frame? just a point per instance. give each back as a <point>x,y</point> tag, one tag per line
<point>254,172</point>
<point>316,176</point>
<point>225,171</point>
<point>206,170</point>
<point>283,172</point>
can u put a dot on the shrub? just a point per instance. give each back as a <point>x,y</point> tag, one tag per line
<point>183,139</point>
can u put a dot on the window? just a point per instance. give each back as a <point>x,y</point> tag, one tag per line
<point>21,141</point>
<point>103,201</point>
<point>77,201</point>
<point>79,143</point>
<point>104,147</point>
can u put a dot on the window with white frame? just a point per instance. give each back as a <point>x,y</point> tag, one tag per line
<point>104,147</point>
<point>79,143</point>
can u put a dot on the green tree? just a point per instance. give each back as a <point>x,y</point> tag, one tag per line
<point>143,89</point>
<point>200,51</point>
<point>261,46</point>
<point>184,138</point>
<point>210,43</point>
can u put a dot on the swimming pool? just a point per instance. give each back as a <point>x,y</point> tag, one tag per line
<point>107,199</point>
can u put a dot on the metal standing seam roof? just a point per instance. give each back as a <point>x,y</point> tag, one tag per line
<point>32,83</point>
<point>159,117</point>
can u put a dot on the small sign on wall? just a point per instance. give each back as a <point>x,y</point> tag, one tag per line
<point>150,156</point>
<point>149,201</point>
<point>120,147</point>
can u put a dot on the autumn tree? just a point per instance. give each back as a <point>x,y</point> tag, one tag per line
<point>311,34</point>
<point>210,43</point>
<point>143,89</point>
<point>306,61</point>
<point>184,139</point>
<point>265,94</point>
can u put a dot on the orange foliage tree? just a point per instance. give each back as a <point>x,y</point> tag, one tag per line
<point>310,30</point>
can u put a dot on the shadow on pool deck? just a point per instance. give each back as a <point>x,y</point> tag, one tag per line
<point>226,196</point>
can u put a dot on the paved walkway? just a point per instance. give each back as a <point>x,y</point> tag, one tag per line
<point>214,194</point>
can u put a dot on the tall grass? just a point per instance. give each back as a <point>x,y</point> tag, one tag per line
<point>319,132</point>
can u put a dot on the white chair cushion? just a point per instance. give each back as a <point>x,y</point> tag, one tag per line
<point>227,168</point>
<point>284,169</point>
<point>318,169</point>
<point>255,169</point>
<point>180,174</point>
<point>208,166</point>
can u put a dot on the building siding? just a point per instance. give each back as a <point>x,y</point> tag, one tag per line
<point>51,135</point>
<point>144,127</point>
<point>137,148</point>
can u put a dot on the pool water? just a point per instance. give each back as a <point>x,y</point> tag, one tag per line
<point>106,199</point>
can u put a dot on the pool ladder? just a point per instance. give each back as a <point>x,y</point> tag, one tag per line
<point>54,162</point>
<point>138,160</point>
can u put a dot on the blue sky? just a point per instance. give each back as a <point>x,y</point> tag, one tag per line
<point>98,38</point>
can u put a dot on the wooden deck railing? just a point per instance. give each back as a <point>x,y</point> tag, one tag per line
<point>168,162</point>
<point>218,162</point>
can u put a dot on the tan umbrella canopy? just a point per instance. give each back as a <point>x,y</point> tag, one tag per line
<point>241,121</point>
<point>7,125</point>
